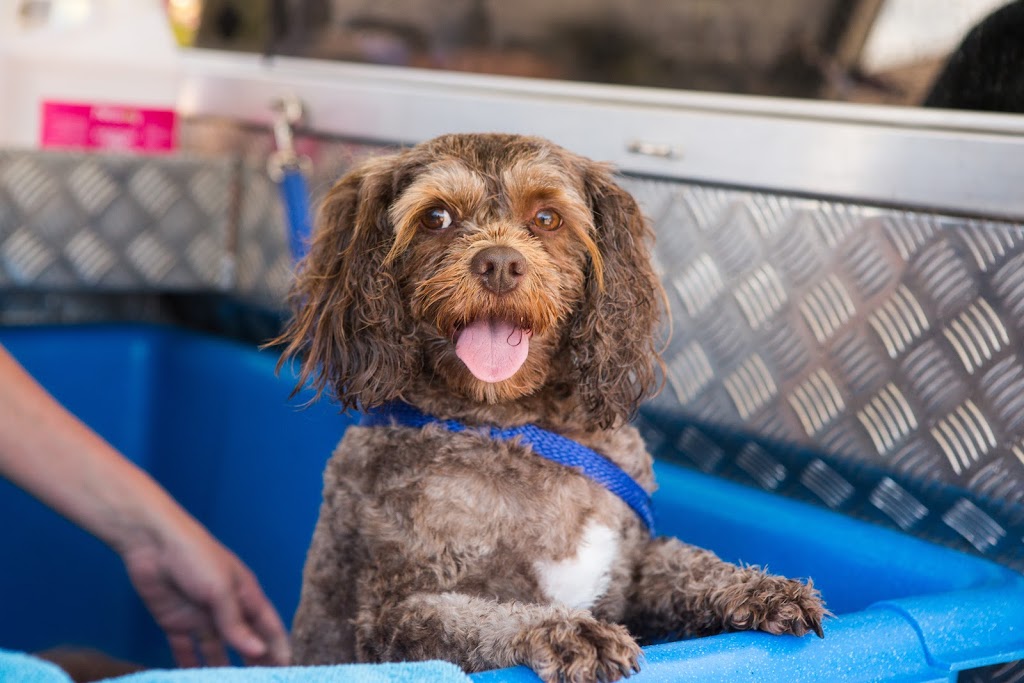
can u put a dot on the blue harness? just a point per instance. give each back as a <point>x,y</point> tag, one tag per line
<point>549,445</point>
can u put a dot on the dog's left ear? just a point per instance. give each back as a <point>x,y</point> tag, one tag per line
<point>612,337</point>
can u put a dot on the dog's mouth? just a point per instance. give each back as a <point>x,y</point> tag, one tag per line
<point>492,348</point>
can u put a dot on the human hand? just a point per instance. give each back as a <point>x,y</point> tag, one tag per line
<point>204,598</point>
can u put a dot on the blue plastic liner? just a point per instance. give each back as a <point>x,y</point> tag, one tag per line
<point>211,421</point>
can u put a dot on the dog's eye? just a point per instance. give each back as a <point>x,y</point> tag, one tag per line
<point>437,218</point>
<point>546,219</point>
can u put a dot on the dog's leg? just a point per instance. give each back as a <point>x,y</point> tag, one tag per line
<point>682,590</point>
<point>322,631</point>
<point>559,643</point>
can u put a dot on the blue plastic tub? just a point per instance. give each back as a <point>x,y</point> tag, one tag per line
<point>211,421</point>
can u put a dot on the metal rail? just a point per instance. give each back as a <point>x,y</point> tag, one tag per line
<point>958,162</point>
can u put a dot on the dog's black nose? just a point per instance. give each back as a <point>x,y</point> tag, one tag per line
<point>500,268</point>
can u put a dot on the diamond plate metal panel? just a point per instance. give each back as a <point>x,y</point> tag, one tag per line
<point>997,673</point>
<point>263,266</point>
<point>112,223</point>
<point>157,223</point>
<point>871,357</point>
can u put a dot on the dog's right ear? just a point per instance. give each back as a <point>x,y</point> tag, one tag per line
<point>349,321</point>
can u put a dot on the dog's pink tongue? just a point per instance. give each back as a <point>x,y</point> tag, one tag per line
<point>493,350</point>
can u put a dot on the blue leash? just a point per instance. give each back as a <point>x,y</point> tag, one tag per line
<point>295,195</point>
<point>546,444</point>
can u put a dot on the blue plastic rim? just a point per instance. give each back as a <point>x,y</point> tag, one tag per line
<point>211,421</point>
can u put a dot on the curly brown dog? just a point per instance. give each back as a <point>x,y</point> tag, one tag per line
<point>499,281</point>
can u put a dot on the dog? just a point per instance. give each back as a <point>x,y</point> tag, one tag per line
<point>490,283</point>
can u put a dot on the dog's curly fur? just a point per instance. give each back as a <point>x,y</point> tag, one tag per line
<point>432,544</point>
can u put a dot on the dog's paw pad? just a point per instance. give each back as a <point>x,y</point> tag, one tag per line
<point>775,604</point>
<point>581,649</point>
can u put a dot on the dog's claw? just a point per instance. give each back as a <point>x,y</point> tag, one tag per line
<point>818,631</point>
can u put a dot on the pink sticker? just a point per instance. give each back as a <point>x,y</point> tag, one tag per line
<point>107,127</point>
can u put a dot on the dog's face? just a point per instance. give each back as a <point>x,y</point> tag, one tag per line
<point>493,256</point>
<point>498,266</point>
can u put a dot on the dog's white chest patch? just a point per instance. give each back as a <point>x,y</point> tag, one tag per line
<point>580,580</point>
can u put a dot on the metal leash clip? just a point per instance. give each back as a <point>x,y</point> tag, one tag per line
<point>288,114</point>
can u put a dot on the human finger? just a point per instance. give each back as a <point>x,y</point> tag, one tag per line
<point>211,647</point>
<point>262,616</point>
<point>184,650</point>
<point>232,626</point>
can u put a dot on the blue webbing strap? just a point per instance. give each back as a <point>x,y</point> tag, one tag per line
<point>546,444</point>
<point>295,195</point>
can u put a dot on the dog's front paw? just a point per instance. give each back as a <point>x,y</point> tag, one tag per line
<point>774,604</point>
<point>580,649</point>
